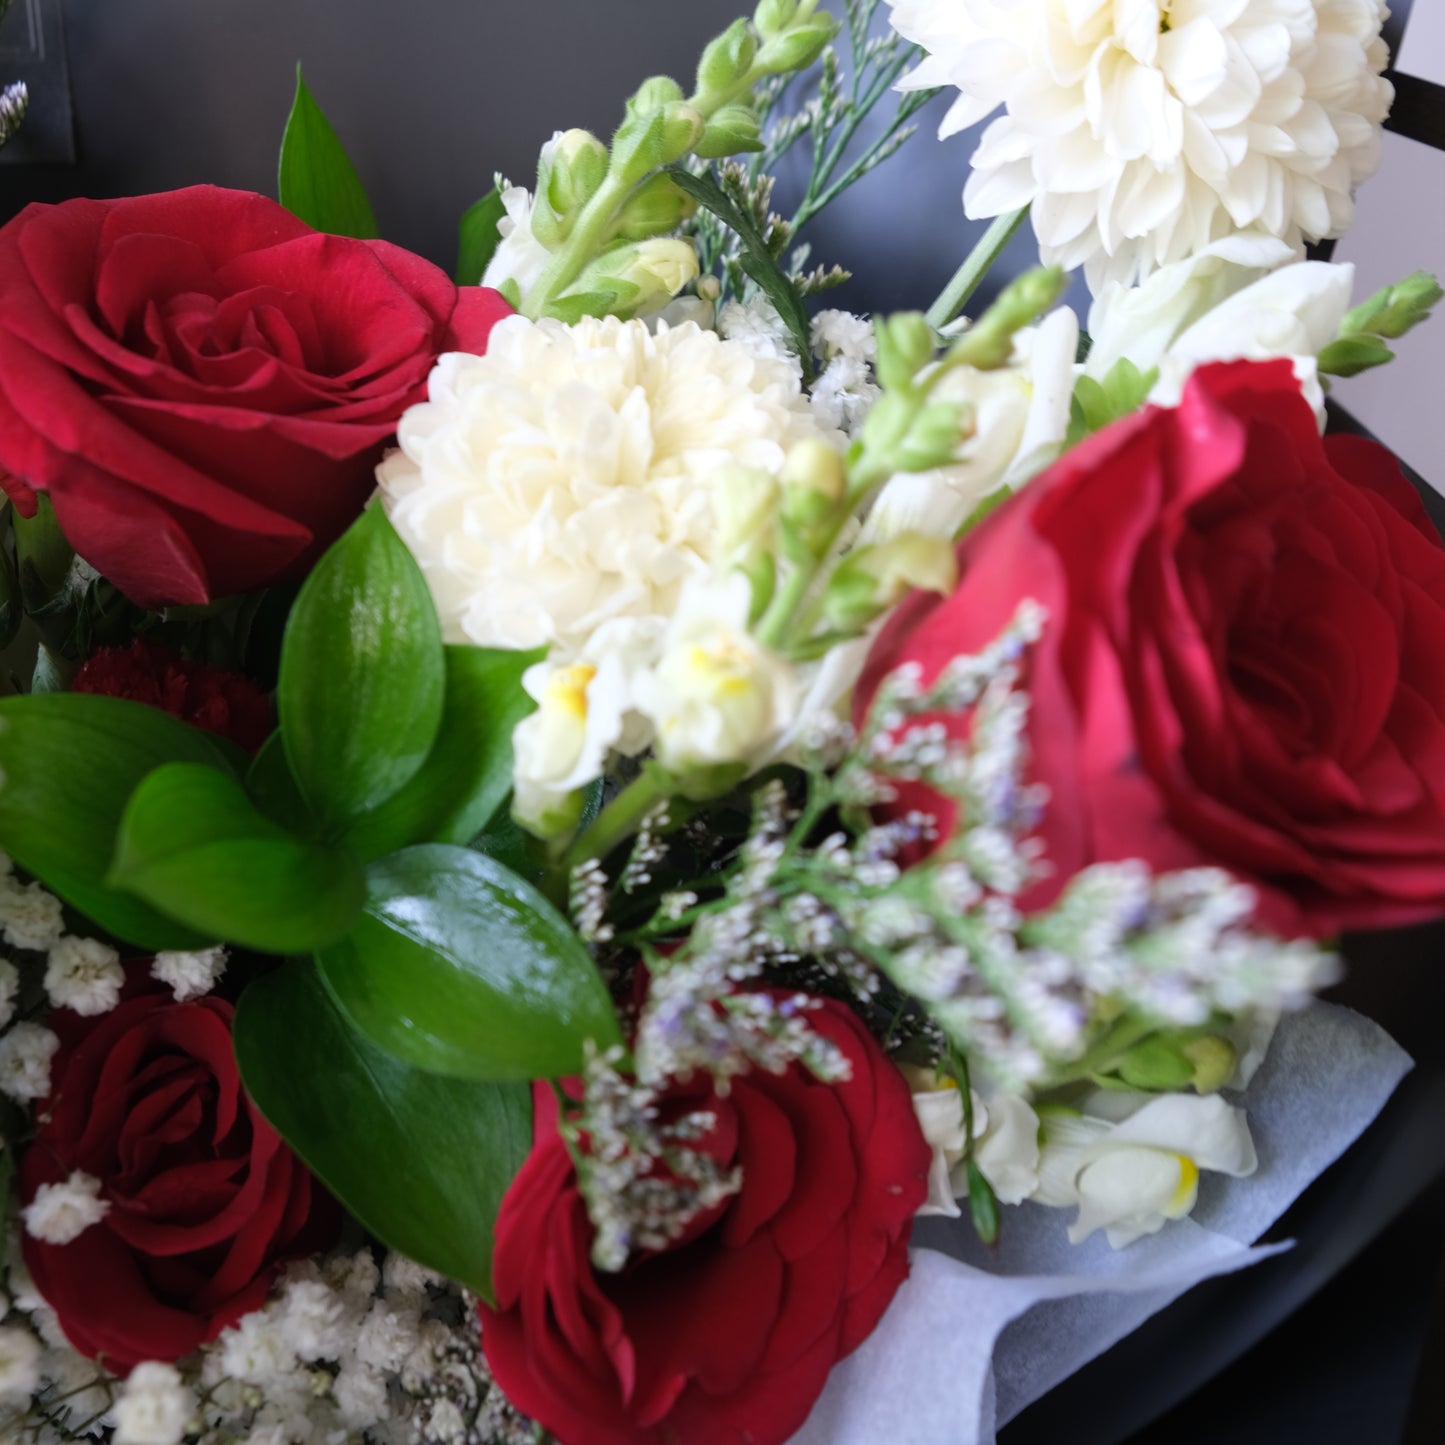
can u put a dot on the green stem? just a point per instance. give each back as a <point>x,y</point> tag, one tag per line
<point>620,819</point>
<point>581,246</point>
<point>957,294</point>
<point>1109,1051</point>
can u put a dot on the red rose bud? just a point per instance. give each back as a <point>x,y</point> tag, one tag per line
<point>1242,662</point>
<point>203,1202</point>
<point>225,703</point>
<point>203,384</point>
<point>729,1334</point>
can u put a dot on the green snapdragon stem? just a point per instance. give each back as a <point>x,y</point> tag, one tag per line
<point>957,294</point>
<point>620,819</point>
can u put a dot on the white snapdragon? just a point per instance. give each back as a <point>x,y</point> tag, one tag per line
<point>1005,1146</point>
<point>20,1354</point>
<point>25,1055</point>
<point>564,479</point>
<point>1020,417</point>
<point>717,696</point>
<point>84,975</point>
<point>30,917</point>
<point>1214,307</point>
<point>154,1407</point>
<point>9,989</point>
<point>190,975</point>
<point>1132,1162</point>
<point>520,257</point>
<point>1140,132</point>
<point>61,1213</point>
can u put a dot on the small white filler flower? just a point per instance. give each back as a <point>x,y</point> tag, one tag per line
<point>154,1407</point>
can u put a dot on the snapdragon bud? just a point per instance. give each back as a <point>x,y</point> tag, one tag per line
<point>656,208</point>
<point>989,344</point>
<point>797,47</point>
<point>905,347</point>
<point>655,93</point>
<point>642,275</point>
<point>727,62</point>
<point>1394,310</point>
<point>745,504</point>
<point>934,437</point>
<point>773,16</point>
<point>815,484</point>
<point>650,139</point>
<point>872,579</point>
<point>572,172</point>
<point>1214,1060</point>
<point>730,131</point>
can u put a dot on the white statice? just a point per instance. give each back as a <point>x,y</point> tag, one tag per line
<point>30,917</point>
<point>1020,417</point>
<point>1214,308</point>
<point>1142,130</point>
<point>9,990</point>
<point>1006,1143</point>
<point>25,1055</point>
<point>717,696</point>
<point>190,975</point>
<point>1131,1162</point>
<point>61,1213</point>
<point>84,975</point>
<point>565,478</point>
<point>20,1354</point>
<point>154,1407</point>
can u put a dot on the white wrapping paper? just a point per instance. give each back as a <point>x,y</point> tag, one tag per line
<point>975,1336</point>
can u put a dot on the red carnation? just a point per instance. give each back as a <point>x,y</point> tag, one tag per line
<point>1242,661</point>
<point>221,702</point>
<point>204,1200</point>
<point>203,385</point>
<point>727,1337</point>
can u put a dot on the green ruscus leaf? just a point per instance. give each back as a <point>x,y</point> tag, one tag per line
<point>317,181</point>
<point>460,967</point>
<point>363,675</point>
<point>468,772</point>
<point>421,1160</point>
<point>193,845</point>
<point>70,763</point>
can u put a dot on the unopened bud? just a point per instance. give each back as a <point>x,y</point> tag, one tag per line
<point>1394,310</point>
<point>1350,355</point>
<point>815,484</point>
<point>1214,1060</point>
<point>727,62</point>
<point>989,344</point>
<point>872,579</point>
<point>745,504</point>
<point>656,93</point>
<point>933,439</point>
<point>797,47</point>
<point>656,208</point>
<point>905,347</point>
<point>730,131</point>
<point>642,275</point>
<point>572,171</point>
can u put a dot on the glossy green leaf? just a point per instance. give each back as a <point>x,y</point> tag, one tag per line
<point>192,844</point>
<point>271,787</point>
<point>362,675</point>
<point>462,968</point>
<point>469,769</point>
<point>42,555</point>
<point>70,763</point>
<point>756,259</point>
<point>421,1160</point>
<point>317,181</point>
<point>478,238</point>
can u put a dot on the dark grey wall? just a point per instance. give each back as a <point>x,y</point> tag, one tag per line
<point>431,97</point>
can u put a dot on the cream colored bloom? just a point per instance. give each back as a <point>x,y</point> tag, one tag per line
<point>1142,130</point>
<point>520,257</point>
<point>717,696</point>
<point>1020,418</point>
<point>1132,1162</point>
<point>565,478</point>
<point>61,1213</point>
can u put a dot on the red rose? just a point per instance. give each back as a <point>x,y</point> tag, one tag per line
<point>221,702</point>
<point>202,383</point>
<point>1243,661</point>
<point>727,1337</point>
<point>205,1200</point>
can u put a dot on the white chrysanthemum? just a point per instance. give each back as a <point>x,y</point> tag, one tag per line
<point>190,975</point>
<point>565,478</point>
<point>84,975</point>
<point>25,1055</point>
<point>30,917</point>
<point>154,1406</point>
<point>61,1213</point>
<point>1142,130</point>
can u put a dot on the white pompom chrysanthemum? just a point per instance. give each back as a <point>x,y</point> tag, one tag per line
<point>1142,130</point>
<point>565,478</point>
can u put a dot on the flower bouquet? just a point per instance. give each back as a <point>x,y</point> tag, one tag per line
<point>549,816</point>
